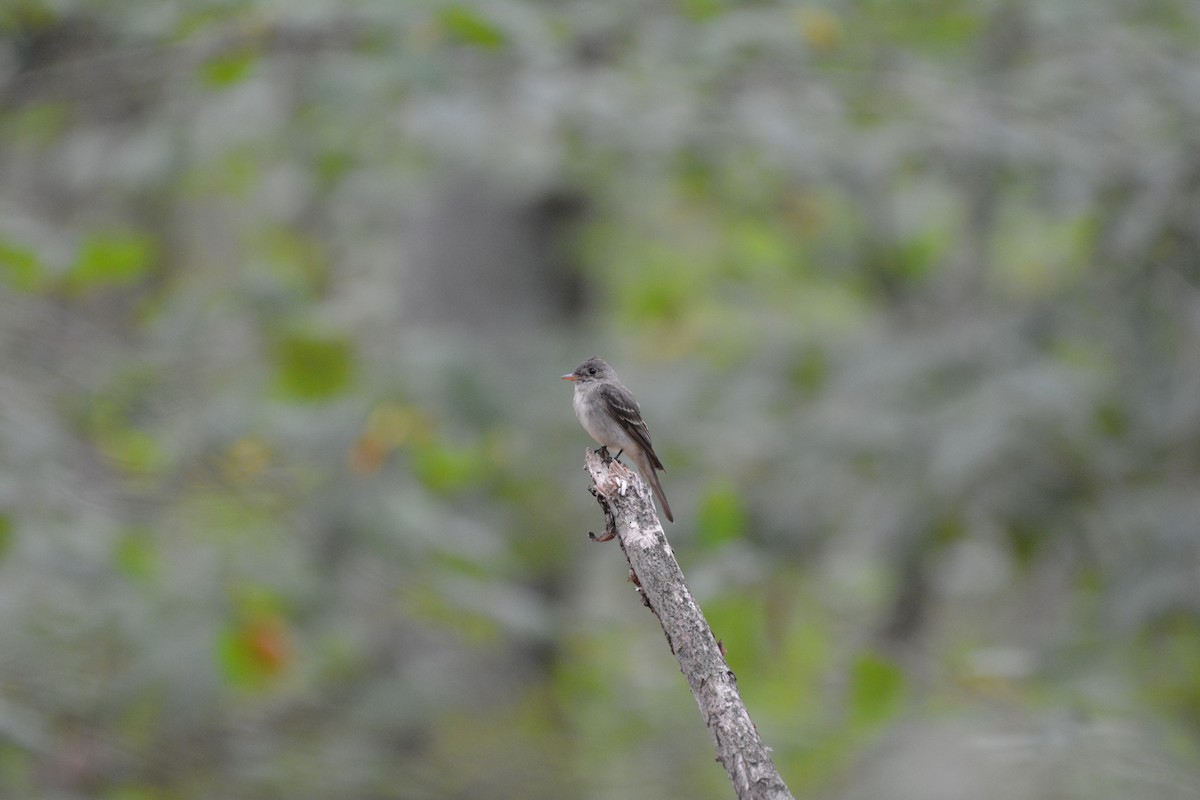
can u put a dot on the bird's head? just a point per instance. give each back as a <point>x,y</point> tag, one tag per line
<point>594,369</point>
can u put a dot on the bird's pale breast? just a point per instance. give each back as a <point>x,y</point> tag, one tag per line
<point>598,423</point>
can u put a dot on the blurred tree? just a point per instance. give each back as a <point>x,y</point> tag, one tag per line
<point>289,494</point>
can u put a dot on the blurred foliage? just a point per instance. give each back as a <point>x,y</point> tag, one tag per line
<point>313,368</point>
<point>292,500</point>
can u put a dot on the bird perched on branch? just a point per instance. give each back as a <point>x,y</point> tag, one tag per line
<point>610,415</point>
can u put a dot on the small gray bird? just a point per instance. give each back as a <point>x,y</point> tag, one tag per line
<point>610,415</point>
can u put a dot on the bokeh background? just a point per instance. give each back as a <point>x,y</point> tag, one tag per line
<point>292,501</point>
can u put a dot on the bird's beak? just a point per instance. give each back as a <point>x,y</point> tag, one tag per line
<point>570,376</point>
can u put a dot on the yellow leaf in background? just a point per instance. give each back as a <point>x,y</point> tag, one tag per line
<point>389,427</point>
<point>819,28</point>
<point>394,424</point>
<point>246,458</point>
<point>366,456</point>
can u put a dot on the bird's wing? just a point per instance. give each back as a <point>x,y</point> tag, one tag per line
<point>624,409</point>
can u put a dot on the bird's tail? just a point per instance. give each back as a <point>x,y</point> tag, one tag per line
<point>650,475</point>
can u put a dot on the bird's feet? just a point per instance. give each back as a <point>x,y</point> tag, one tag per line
<point>609,458</point>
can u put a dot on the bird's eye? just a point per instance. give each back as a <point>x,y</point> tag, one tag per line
<point>591,370</point>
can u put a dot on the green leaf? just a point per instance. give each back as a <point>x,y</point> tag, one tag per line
<point>659,295</point>
<point>1038,255</point>
<point>446,469</point>
<point>6,534</point>
<point>20,267</point>
<point>131,450</point>
<point>810,371</point>
<point>255,646</point>
<point>429,605</point>
<point>293,263</point>
<point>254,650</point>
<point>757,247</point>
<point>26,15</point>
<point>876,690</point>
<point>111,259</point>
<point>135,793</point>
<point>469,27</point>
<point>722,516</point>
<point>737,621</point>
<point>1168,655</point>
<point>229,68</point>
<point>135,556</point>
<point>37,125</point>
<point>313,367</point>
<point>701,10</point>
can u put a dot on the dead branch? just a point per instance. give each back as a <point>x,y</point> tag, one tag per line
<point>631,517</point>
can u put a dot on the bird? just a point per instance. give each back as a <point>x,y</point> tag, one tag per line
<point>610,415</point>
